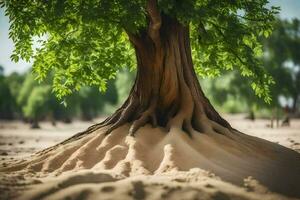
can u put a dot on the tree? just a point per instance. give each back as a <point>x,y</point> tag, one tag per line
<point>6,98</point>
<point>92,101</point>
<point>25,90</point>
<point>89,41</point>
<point>230,92</point>
<point>15,81</point>
<point>37,102</point>
<point>36,105</point>
<point>283,47</point>
<point>166,81</point>
<point>34,99</point>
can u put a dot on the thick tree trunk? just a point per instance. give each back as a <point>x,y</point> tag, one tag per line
<point>166,91</point>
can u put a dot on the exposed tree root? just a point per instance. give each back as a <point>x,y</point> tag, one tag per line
<point>228,153</point>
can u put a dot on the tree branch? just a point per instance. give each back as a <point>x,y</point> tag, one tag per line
<point>134,39</point>
<point>251,19</point>
<point>155,20</point>
<point>230,50</point>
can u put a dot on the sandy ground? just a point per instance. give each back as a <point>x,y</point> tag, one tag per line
<point>17,142</point>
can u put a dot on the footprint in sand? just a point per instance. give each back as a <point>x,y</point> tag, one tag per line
<point>108,189</point>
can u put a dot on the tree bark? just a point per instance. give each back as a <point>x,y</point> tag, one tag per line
<point>166,91</point>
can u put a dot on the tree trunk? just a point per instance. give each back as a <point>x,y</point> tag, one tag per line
<point>166,91</point>
<point>295,101</point>
<point>35,124</point>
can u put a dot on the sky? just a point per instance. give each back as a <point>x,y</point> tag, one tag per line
<point>289,9</point>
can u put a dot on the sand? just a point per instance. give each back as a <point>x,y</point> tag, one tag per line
<point>158,165</point>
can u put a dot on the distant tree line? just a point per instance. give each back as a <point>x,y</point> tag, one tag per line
<point>22,97</point>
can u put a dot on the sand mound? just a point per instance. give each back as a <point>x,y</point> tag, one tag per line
<point>192,184</point>
<point>155,153</point>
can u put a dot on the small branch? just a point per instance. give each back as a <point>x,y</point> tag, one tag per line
<point>155,20</point>
<point>251,19</point>
<point>134,39</point>
<point>225,39</point>
<point>202,28</point>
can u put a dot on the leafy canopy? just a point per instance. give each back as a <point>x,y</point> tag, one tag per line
<point>86,41</point>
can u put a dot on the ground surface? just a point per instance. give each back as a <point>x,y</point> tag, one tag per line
<point>17,142</point>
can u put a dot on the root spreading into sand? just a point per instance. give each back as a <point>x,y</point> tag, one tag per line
<point>155,159</point>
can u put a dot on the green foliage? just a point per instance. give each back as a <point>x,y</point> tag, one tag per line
<point>6,98</point>
<point>26,89</point>
<point>227,37</point>
<point>86,41</point>
<point>124,82</point>
<point>226,96</point>
<point>36,105</point>
<point>91,101</point>
<point>33,99</point>
<point>280,61</point>
<point>15,82</point>
<point>82,60</point>
<point>9,91</point>
<point>283,61</point>
<point>22,97</point>
<point>224,36</point>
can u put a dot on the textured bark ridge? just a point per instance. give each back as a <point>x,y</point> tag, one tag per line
<point>166,91</point>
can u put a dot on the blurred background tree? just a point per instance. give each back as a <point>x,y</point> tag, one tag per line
<point>6,98</point>
<point>37,104</point>
<point>22,97</point>
<point>231,93</point>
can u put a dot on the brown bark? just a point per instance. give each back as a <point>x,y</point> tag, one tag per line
<point>166,91</point>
